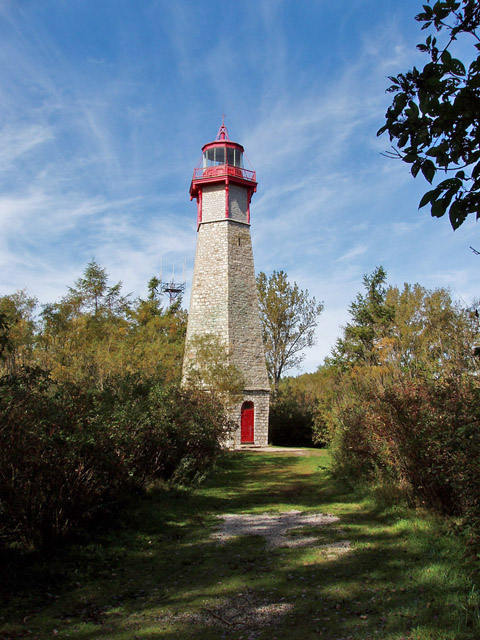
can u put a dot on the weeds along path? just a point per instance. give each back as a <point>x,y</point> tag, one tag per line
<point>308,558</point>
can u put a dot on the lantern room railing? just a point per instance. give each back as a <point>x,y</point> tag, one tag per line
<point>224,170</point>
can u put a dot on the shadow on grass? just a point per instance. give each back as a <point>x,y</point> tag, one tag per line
<point>160,575</point>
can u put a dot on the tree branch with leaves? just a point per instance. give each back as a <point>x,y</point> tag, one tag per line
<point>434,119</point>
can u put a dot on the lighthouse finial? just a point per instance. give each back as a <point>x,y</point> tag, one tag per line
<point>222,132</point>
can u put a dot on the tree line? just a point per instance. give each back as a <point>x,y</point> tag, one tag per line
<point>94,333</point>
<point>92,408</point>
<point>398,400</point>
<point>91,411</point>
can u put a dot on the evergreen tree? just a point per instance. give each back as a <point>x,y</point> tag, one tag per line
<point>371,318</point>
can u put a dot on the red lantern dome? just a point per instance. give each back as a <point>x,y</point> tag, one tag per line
<point>221,162</point>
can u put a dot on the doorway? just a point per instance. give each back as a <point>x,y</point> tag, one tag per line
<point>247,423</point>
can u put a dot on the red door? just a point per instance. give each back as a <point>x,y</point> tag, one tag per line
<point>246,433</point>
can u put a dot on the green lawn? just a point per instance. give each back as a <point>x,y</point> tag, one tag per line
<point>158,573</point>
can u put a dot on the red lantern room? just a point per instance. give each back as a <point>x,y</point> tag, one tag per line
<point>222,165</point>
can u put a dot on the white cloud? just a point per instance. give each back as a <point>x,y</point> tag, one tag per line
<point>16,141</point>
<point>99,140</point>
<point>403,228</point>
<point>358,250</point>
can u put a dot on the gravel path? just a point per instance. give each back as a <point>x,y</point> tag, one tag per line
<point>274,528</point>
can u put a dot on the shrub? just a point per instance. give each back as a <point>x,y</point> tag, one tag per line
<point>435,427</point>
<point>291,419</point>
<point>69,455</point>
<point>56,468</point>
<point>421,435</point>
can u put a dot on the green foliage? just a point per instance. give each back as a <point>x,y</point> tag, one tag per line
<point>430,335</point>
<point>371,318</point>
<point>69,455</point>
<point>434,119</point>
<point>95,334</point>
<point>212,368</point>
<point>291,418</point>
<point>17,330</point>
<point>421,436</point>
<point>401,398</point>
<point>5,342</point>
<point>156,338</point>
<point>89,407</point>
<point>289,318</point>
<point>84,337</point>
<point>434,427</point>
<point>56,468</point>
<point>300,407</point>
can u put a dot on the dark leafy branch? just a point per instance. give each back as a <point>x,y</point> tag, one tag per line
<point>434,117</point>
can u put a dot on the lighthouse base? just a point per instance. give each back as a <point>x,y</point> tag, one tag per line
<point>250,415</point>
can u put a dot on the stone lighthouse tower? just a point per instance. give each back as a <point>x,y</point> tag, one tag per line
<point>224,296</point>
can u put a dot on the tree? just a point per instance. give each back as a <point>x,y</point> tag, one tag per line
<point>371,318</point>
<point>84,336</point>
<point>156,338</point>
<point>434,118</point>
<point>211,368</point>
<point>93,295</point>
<point>291,418</point>
<point>400,397</point>
<point>17,330</point>
<point>5,342</point>
<point>431,335</point>
<point>289,318</point>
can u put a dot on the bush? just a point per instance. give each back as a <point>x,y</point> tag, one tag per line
<point>69,456</point>
<point>56,468</point>
<point>435,428</point>
<point>291,419</point>
<point>421,435</point>
<point>163,432</point>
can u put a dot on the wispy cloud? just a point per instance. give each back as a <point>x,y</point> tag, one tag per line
<point>358,250</point>
<point>16,141</point>
<point>104,119</point>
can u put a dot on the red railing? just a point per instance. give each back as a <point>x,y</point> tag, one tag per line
<point>223,170</point>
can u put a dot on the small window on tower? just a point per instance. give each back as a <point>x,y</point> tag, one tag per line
<point>230,156</point>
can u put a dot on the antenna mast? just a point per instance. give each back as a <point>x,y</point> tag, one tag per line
<point>173,289</point>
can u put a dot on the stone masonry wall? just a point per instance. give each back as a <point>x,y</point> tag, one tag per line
<point>208,312</point>
<point>224,299</point>
<point>213,203</point>
<point>245,330</point>
<point>238,203</point>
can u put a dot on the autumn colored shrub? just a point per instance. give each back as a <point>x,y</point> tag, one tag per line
<point>69,456</point>
<point>361,450</point>
<point>435,427</point>
<point>420,435</point>
<point>164,432</point>
<point>401,396</point>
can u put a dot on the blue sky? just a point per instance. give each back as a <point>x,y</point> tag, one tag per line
<point>104,108</point>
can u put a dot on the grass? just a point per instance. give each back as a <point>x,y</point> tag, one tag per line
<point>157,574</point>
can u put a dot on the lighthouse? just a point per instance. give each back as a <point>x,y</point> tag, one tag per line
<point>224,301</point>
